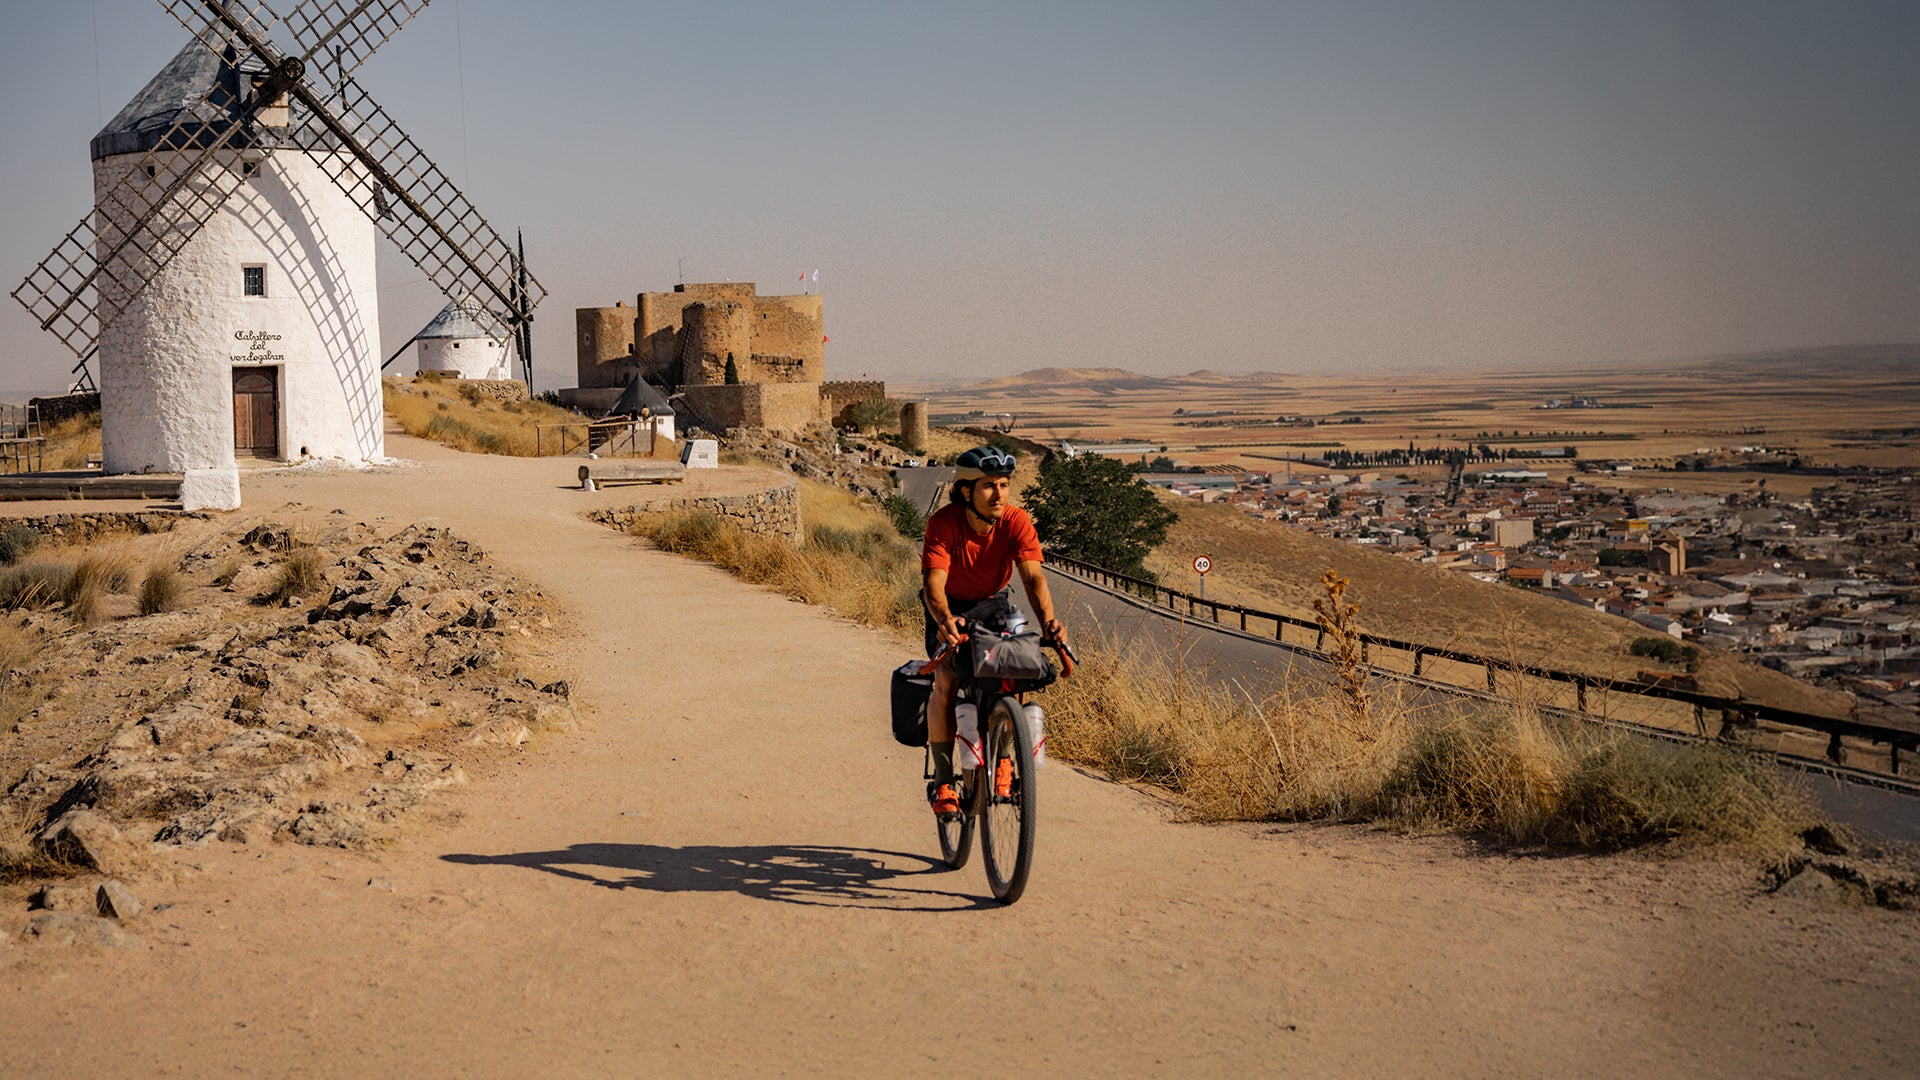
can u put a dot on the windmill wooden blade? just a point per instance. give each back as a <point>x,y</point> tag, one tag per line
<point>213,21</point>
<point>336,36</point>
<point>418,207</point>
<point>139,223</point>
<point>331,37</point>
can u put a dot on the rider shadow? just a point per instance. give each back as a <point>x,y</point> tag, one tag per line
<point>807,874</point>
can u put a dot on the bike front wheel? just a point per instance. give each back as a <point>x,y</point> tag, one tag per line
<point>1010,818</point>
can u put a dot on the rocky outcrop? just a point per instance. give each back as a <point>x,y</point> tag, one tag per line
<point>252,719</point>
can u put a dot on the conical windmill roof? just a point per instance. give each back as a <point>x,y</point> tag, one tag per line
<point>180,91</point>
<point>463,319</point>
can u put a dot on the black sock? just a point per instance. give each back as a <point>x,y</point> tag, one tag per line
<point>942,761</point>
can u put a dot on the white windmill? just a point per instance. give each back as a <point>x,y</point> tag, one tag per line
<point>465,340</point>
<point>225,278</point>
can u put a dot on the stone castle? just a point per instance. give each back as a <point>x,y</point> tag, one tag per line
<point>684,340</point>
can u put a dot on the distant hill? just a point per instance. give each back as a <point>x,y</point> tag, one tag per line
<point>1051,377</point>
<point>1059,376</point>
<point>1890,360</point>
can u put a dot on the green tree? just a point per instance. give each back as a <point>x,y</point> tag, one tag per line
<point>733,372</point>
<point>1093,509</point>
<point>874,414</point>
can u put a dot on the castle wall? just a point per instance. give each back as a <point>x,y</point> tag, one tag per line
<point>838,397</point>
<point>773,406</point>
<point>604,339</point>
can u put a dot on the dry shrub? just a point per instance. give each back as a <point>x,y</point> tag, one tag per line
<point>1507,772</point>
<point>20,860</point>
<point>81,584</point>
<point>869,574</point>
<point>160,591</point>
<point>1347,751</point>
<point>19,646</point>
<point>107,571</point>
<point>301,568</point>
<point>35,583</point>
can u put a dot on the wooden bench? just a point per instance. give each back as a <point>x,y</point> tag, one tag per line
<point>641,471</point>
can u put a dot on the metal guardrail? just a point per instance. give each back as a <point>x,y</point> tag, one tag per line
<point>1735,712</point>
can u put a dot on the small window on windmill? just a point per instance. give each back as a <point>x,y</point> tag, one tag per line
<point>151,172</point>
<point>248,168</point>
<point>253,280</point>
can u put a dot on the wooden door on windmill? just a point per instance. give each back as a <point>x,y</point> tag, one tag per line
<point>256,412</point>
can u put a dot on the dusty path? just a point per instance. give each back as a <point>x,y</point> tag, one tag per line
<point>728,869</point>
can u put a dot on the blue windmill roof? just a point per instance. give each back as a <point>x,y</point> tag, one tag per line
<point>463,319</point>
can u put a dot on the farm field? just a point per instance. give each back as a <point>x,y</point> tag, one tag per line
<point>1833,406</point>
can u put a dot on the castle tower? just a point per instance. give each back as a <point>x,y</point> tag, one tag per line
<point>714,332</point>
<point>259,338</point>
<point>606,356</point>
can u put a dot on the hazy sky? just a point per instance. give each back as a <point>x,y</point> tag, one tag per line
<point>988,187</point>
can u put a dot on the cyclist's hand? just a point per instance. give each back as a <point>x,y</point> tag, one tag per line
<point>952,630</point>
<point>1055,631</point>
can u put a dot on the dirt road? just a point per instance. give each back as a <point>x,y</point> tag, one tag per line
<point>729,869</point>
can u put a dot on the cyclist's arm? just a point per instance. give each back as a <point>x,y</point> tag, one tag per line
<point>1041,598</point>
<point>945,624</point>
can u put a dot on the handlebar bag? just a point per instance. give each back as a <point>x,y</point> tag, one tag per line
<point>910,692</point>
<point>1009,656</point>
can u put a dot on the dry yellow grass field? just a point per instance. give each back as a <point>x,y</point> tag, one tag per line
<point>1824,403</point>
<point>439,410</point>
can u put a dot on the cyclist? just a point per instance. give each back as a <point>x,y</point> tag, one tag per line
<point>973,546</point>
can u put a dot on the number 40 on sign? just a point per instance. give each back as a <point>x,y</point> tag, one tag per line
<point>1202,564</point>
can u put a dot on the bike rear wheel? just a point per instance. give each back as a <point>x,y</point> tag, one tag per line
<point>956,830</point>
<point>1009,820</point>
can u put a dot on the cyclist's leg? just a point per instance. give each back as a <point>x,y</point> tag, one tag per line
<point>940,707</point>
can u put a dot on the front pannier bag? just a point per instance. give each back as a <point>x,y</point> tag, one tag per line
<point>1010,656</point>
<point>910,691</point>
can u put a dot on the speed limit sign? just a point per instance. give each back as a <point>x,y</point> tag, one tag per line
<point>1202,564</point>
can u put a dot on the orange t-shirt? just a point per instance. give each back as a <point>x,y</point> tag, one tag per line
<point>977,566</point>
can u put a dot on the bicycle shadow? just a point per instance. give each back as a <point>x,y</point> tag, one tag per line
<point>808,874</point>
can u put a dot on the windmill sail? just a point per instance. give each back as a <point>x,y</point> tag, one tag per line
<point>263,99</point>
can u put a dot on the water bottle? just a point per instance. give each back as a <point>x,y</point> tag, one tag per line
<point>1036,718</point>
<point>967,751</point>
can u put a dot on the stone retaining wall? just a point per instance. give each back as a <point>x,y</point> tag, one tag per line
<point>775,512</point>
<point>79,528</point>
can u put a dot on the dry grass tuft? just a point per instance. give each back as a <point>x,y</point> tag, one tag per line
<point>161,589</point>
<point>19,646</point>
<point>81,583</point>
<point>302,567</point>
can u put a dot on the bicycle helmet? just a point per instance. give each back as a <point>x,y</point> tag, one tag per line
<point>982,461</point>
